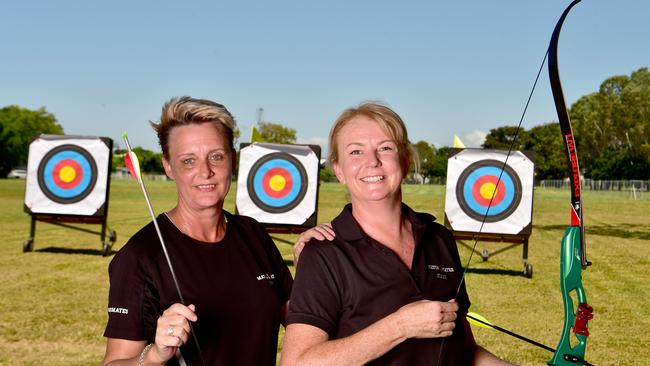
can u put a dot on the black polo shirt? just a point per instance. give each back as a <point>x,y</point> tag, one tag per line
<point>347,284</point>
<point>238,285</point>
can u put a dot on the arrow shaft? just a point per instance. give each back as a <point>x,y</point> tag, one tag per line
<point>511,333</point>
<point>164,248</point>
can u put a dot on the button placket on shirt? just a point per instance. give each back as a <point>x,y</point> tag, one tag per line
<point>400,268</point>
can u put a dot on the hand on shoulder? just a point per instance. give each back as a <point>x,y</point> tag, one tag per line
<point>320,232</point>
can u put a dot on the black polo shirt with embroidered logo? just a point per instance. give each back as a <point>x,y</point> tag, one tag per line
<point>349,283</point>
<point>238,285</point>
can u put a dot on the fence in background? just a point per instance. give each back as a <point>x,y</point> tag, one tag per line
<point>599,185</point>
<point>120,174</point>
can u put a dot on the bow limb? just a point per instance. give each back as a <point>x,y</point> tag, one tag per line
<point>573,255</point>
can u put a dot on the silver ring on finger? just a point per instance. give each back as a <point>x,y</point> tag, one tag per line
<point>170,331</point>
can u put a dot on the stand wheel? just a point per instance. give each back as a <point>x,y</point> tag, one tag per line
<point>485,254</point>
<point>528,270</point>
<point>112,236</point>
<point>28,245</point>
<point>106,249</point>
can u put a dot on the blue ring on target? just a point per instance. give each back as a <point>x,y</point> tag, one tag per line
<point>56,191</point>
<point>488,168</point>
<point>293,169</point>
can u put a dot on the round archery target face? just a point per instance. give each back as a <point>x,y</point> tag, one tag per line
<point>486,190</point>
<point>67,174</point>
<point>277,182</point>
<point>473,181</point>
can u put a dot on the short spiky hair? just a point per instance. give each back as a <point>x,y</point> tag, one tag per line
<point>183,111</point>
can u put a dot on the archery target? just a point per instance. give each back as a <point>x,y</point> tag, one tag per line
<point>483,191</point>
<point>277,184</point>
<point>488,190</point>
<point>67,175</point>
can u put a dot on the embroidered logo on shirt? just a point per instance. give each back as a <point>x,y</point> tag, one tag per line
<point>266,276</point>
<point>118,310</point>
<point>440,272</point>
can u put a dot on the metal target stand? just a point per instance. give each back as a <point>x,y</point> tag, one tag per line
<point>107,235</point>
<point>513,241</point>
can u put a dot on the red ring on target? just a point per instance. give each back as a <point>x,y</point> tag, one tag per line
<point>477,205</point>
<point>479,185</point>
<point>269,181</point>
<point>67,167</point>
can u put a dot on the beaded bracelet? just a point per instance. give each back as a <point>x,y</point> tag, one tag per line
<point>144,353</point>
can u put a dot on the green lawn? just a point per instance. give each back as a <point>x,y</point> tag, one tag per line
<point>53,300</point>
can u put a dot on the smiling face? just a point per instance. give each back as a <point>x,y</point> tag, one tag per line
<point>201,163</point>
<point>368,161</point>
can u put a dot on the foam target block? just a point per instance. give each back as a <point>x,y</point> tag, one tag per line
<point>278,183</point>
<point>489,192</point>
<point>67,175</point>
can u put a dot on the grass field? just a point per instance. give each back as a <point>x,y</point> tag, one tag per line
<point>53,300</point>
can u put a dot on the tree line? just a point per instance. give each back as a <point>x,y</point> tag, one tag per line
<point>611,126</point>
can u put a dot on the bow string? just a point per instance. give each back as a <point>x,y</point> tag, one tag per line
<point>573,258</point>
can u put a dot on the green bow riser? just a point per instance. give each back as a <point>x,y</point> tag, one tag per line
<point>571,280</point>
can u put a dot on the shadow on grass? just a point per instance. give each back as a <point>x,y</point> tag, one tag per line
<point>620,231</point>
<point>59,250</point>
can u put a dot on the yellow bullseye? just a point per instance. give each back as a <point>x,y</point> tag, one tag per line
<point>277,183</point>
<point>67,174</point>
<point>488,190</point>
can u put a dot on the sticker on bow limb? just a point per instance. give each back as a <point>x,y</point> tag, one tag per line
<point>277,184</point>
<point>481,190</point>
<point>67,175</point>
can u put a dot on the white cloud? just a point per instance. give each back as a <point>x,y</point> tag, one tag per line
<point>475,138</point>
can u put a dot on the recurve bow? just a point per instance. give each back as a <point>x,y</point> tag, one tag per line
<point>573,253</point>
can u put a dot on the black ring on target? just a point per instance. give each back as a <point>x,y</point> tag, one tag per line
<point>264,189</point>
<point>476,185</point>
<point>67,174</point>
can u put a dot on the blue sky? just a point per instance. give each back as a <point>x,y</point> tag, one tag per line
<point>452,67</point>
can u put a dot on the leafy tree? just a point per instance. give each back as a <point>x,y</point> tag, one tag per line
<point>425,156</point>
<point>433,162</point>
<point>547,144</point>
<point>18,126</point>
<point>439,164</point>
<point>277,133</point>
<point>501,138</point>
<point>617,117</point>
<point>326,174</point>
<point>150,161</point>
<point>620,164</point>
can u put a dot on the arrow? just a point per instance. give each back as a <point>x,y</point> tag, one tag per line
<point>480,321</point>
